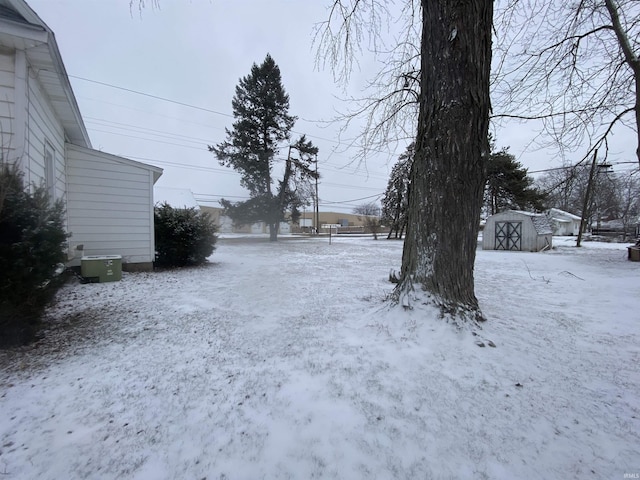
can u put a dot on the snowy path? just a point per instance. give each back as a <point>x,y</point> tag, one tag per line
<point>279,361</point>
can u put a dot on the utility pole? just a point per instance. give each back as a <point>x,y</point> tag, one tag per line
<point>585,205</point>
<point>317,207</point>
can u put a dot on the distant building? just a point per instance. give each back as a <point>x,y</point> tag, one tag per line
<point>563,223</point>
<point>349,223</point>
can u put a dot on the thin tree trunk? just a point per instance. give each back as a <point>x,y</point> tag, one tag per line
<point>273,232</point>
<point>449,170</point>
<point>282,194</point>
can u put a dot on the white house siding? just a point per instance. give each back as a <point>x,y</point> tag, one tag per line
<point>564,223</point>
<point>7,99</point>
<point>43,128</point>
<point>110,205</point>
<point>28,123</point>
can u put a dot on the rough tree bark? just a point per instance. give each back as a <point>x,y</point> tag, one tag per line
<point>449,170</point>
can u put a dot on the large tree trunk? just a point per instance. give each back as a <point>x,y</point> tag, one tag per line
<point>449,170</point>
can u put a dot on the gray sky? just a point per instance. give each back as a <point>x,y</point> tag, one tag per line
<point>194,52</point>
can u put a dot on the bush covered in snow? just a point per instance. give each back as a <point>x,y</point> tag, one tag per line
<point>184,236</point>
<point>32,252</point>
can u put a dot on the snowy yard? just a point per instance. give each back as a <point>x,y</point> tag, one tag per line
<point>280,361</point>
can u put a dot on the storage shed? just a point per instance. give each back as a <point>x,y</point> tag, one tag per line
<point>518,231</point>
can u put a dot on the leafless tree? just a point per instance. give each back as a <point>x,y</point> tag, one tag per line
<point>612,196</point>
<point>629,199</point>
<point>559,184</point>
<point>572,65</point>
<point>370,209</point>
<point>387,111</point>
<point>449,169</point>
<point>370,214</point>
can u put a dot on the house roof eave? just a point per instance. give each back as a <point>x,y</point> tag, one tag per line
<point>44,56</point>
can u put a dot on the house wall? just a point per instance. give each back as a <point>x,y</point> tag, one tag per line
<point>561,227</point>
<point>7,100</point>
<point>564,223</point>
<point>28,124</point>
<point>109,206</point>
<point>529,242</point>
<point>44,131</point>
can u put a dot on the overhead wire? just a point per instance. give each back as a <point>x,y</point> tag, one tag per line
<point>216,112</point>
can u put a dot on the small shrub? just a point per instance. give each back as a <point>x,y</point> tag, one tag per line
<point>183,236</point>
<point>32,255</point>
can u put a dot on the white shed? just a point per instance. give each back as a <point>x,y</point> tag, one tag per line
<point>517,231</point>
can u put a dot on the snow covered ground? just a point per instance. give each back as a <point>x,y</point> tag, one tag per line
<point>281,361</point>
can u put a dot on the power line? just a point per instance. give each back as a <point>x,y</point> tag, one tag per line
<point>326,166</point>
<point>151,96</point>
<point>145,130</point>
<point>208,110</point>
<point>352,200</point>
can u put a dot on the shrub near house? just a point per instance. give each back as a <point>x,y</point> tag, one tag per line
<point>183,236</point>
<point>32,252</point>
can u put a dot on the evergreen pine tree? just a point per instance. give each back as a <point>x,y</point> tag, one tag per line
<point>262,123</point>
<point>509,186</point>
<point>395,202</point>
<point>32,254</point>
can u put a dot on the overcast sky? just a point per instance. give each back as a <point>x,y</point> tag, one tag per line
<point>193,52</point>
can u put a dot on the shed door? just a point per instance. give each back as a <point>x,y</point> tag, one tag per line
<point>508,236</point>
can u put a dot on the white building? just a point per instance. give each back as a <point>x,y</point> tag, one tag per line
<point>108,199</point>
<point>564,223</point>
<point>517,231</point>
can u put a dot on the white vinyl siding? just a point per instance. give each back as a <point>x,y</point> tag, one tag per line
<point>7,100</point>
<point>44,131</point>
<point>110,205</point>
<point>50,170</point>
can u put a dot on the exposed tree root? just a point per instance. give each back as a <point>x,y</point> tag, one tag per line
<point>408,296</point>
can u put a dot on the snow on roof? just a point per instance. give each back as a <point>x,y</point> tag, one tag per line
<point>542,224</point>
<point>176,197</point>
<point>540,221</point>
<point>557,213</point>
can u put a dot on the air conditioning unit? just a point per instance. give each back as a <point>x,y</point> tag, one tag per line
<point>101,268</point>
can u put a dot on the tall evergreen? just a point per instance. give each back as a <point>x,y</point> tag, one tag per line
<point>395,202</point>
<point>509,186</point>
<point>262,124</point>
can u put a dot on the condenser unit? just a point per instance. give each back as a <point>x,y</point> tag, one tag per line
<point>101,268</point>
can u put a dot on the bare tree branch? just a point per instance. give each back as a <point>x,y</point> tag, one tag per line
<point>570,65</point>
